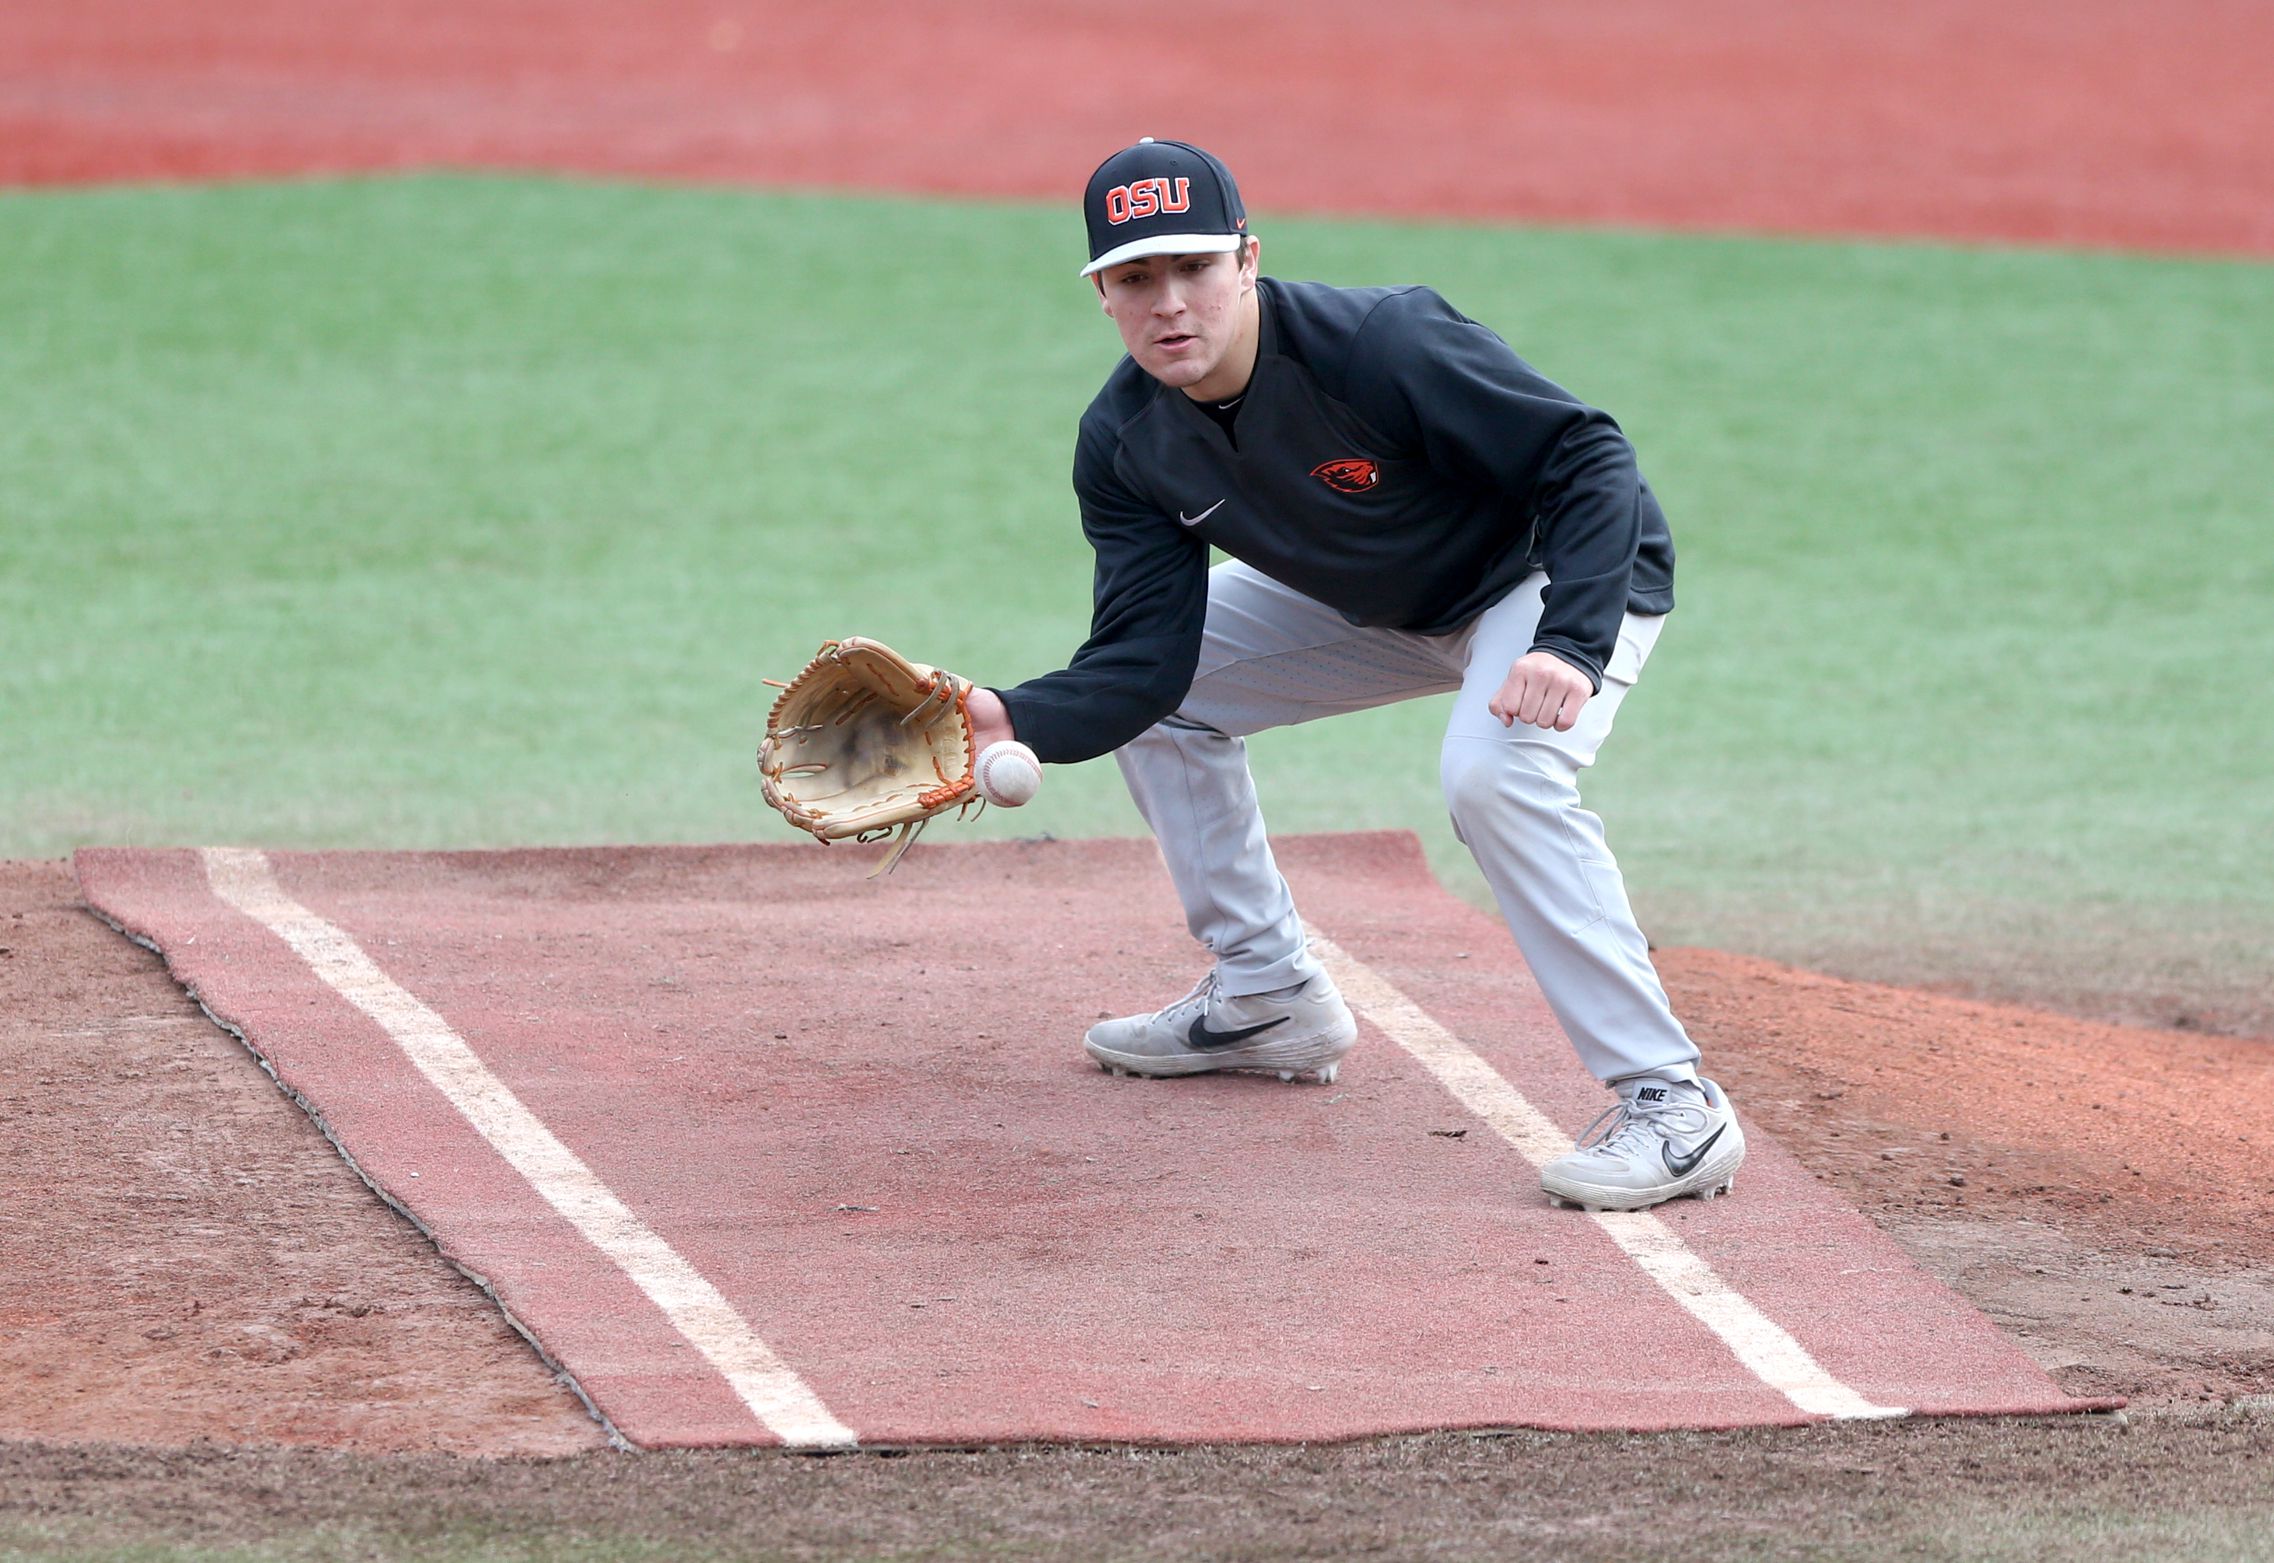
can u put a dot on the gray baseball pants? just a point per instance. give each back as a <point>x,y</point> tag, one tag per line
<point>1270,657</point>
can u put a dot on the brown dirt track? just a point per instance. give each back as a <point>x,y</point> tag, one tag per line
<point>201,1266</point>
<point>2136,123</point>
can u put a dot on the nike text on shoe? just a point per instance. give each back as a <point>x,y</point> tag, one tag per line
<point>1661,1140</point>
<point>1304,1032</point>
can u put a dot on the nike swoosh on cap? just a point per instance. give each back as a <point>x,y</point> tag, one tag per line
<point>1205,514</point>
<point>1205,1041</point>
<point>1683,1166</point>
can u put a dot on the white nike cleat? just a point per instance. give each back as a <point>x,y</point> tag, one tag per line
<point>1301,1033</point>
<point>1661,1140</point>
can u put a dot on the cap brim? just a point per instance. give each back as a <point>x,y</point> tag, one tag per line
<point>1166,244</point>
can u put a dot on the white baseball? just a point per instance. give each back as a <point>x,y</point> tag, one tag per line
<point>1008,773</point>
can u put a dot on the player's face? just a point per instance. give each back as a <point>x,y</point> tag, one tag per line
<point>1180,315</point>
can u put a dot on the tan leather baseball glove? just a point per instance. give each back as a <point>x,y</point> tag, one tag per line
<point>864,743</point>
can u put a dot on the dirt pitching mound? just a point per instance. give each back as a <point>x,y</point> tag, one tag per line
<point>761,1151</point>
<point>191,1260</point>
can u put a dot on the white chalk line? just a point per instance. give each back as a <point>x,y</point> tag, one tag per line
<point>781,1401</point>
<point>1757,1341</point>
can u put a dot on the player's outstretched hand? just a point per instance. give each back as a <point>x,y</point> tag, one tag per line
<point>990,722</point>
<point>1542,690</point>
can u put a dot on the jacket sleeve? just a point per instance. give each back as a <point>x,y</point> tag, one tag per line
<point>1149,603</point>
<point>1477,410</point>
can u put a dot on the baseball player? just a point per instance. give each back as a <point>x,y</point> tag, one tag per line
<point>1408,509</point>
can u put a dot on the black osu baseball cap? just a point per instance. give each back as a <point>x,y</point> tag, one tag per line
<point>1161,198</point>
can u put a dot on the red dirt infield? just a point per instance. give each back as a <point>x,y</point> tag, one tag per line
<point>858,1112</point>
<point>2087,122</point>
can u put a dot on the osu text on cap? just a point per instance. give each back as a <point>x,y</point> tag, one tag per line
<point>1145,197</point>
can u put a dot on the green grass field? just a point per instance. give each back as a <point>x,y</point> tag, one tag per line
<point>469,511</point>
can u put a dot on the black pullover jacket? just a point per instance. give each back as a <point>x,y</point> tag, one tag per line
<point>1393,459</point>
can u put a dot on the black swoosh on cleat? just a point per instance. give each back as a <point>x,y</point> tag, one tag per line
<point>1683,1166</point>
<point>1205,1041</point>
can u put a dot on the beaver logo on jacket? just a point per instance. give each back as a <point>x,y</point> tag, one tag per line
<point>1348,474</point>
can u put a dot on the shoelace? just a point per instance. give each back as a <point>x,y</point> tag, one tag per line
<point>1203,994</point>
<point>1635,1127</point>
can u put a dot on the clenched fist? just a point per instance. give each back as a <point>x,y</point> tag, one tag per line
<point>1542,690</point>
